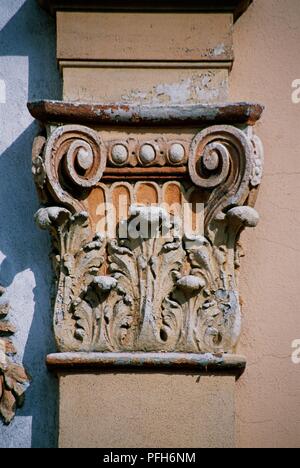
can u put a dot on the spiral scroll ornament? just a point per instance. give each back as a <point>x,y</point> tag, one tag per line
<point>209,165</point>
<point>220,160</point>
<point>75,159</point>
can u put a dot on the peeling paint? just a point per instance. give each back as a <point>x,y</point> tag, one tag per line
<point>220,49</point>
<point>198,88</point>
<point>144,115</point>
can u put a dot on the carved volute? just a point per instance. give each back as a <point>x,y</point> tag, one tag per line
<point>145,207</point>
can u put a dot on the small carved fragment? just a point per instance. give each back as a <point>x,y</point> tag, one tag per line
<point>13,378</point>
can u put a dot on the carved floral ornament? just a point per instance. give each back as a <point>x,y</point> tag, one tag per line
<point>13,378</point>
<point>161,290</point>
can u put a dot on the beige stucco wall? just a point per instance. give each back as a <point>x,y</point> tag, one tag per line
<point>266,47</point>
<point>146,410</point>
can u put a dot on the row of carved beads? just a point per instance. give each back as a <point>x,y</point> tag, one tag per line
<point>148,153</point>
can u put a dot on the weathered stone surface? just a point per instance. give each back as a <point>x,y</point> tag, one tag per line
<point>163,291</point>
<point>126,114</point>
<point>201,363</point>
<point>138,36</point>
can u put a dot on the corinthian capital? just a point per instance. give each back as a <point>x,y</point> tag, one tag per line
<point>145,207</point>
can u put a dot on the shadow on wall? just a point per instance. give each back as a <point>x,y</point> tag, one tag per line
<point>29,33</point>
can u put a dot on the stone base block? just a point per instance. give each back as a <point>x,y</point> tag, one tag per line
<point>142,409</point>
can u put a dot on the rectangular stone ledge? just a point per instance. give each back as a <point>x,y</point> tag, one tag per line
<point>117,36</point>
<point>236,7</point>
<point>242,113</point>
<point>228,364</point>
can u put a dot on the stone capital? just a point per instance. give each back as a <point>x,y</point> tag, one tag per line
<point>105,173</point>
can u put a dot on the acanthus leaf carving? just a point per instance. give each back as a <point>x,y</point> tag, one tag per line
<point>165,291</point>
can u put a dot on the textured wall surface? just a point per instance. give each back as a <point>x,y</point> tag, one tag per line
<point>27,72</point>
<point>187,411</point>
<point>267,42</point>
